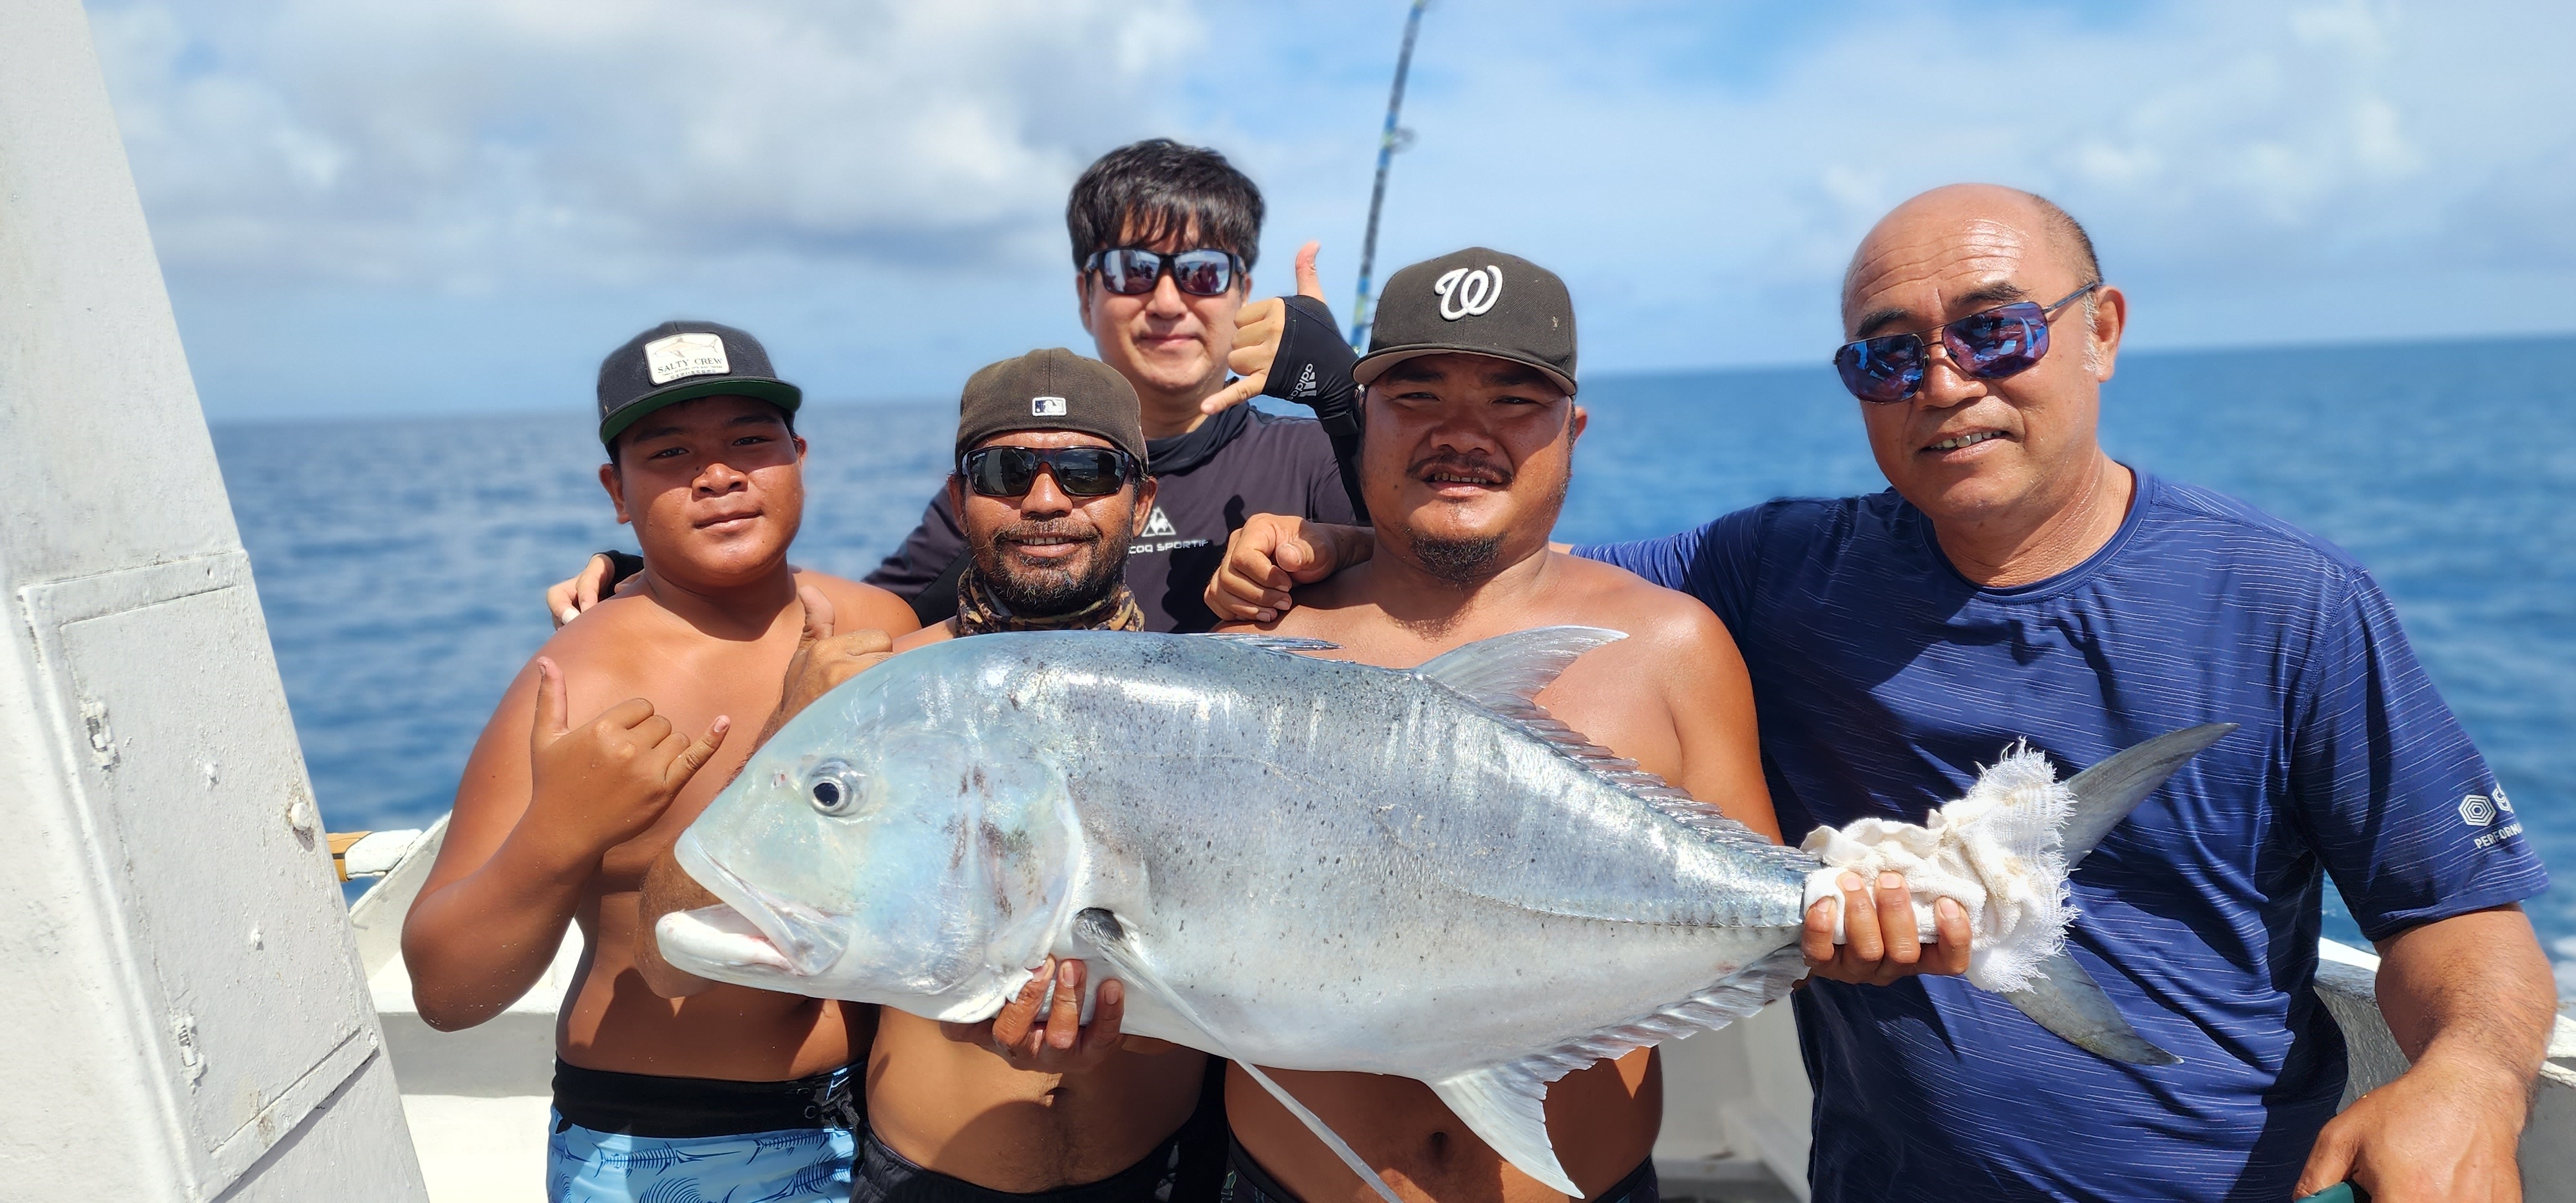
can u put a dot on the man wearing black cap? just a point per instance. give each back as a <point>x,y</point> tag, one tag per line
<point>1163,240</point>
<point>725,1095</point>
<point>1049,490</point>
<point>1471,423</point>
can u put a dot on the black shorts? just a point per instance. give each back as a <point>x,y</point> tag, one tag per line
<point>680,1108</point>
<point>1187,1168</point>
<point>1247,1182</point>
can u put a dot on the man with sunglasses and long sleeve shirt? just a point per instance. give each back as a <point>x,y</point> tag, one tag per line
<point>1022,1108</point>
<point>1164,237</point>
<point>2019,583</point>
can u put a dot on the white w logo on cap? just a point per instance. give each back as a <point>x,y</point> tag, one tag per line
<point>1465,292</point>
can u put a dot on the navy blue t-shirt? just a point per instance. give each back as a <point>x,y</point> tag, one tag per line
<point>1884,679</point>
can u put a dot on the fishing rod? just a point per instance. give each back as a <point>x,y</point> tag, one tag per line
<point>1391,140</point>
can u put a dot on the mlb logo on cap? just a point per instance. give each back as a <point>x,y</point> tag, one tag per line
<point>1046,407</point>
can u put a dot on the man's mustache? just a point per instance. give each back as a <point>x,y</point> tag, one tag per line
<point>1473,467</point>
<point>1054,531</point>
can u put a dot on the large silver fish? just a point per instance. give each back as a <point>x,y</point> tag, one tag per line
<point>1294,862</point>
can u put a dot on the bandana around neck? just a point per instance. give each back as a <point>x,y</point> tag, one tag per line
<point>981,613</point>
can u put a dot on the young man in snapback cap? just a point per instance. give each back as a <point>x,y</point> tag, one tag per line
<point>1471,424</point>
<point>1049,489</point>
<point>728,1094</point>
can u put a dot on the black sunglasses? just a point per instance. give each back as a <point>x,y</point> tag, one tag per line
<point>1989,344</point>
<point>1079,471</point>
<point>1131,271</point>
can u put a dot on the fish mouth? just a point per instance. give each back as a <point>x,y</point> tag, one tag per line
<point>804,939</point>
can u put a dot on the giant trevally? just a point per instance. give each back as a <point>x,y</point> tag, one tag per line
<point>1295,862</point>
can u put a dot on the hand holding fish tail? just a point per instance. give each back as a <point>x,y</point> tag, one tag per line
<point>822,660</point>
<point>1271,554</point>
<point>1882,944</point>
<point>607,781</point>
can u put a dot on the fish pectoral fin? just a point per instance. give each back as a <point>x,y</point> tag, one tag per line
<point>2069,1002</point>
<point>1103,931</point>
<point>1505,673</point>
<point>1506,1107</point>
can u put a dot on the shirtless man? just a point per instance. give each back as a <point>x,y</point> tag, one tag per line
<point>1471,425</point>
<point>1049,490</point>
<point>555,824</point>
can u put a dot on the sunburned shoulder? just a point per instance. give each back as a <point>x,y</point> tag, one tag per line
<point>608,633</point>
<point>1654,617</point>
<point>862,607</point>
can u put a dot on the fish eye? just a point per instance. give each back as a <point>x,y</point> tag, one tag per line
<point>835,788</point>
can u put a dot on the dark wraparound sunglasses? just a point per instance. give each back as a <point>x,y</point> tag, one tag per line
<point>1986,345</point>
<point>1131,271</point>
<point>1012,471</point>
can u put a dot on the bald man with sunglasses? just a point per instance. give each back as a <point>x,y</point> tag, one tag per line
<point>2017,582</point>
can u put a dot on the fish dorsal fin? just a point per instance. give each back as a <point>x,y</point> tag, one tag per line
<point>1506,1105</point>
<point>1273,643</point>
<point>1673,801</point>
<point>1504,674</point>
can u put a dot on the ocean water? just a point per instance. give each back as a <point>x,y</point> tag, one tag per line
<point>401,562</point>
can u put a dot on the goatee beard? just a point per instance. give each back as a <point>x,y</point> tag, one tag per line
<point>1461,562</point>
<point>1047,592</point>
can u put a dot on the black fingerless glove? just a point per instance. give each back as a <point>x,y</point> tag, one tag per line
<point>1313,367</point>
<point>621,565</point>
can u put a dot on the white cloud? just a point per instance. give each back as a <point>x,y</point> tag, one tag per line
<point>481,144</point>
<point>2338,163</point>
<point>882,183</point>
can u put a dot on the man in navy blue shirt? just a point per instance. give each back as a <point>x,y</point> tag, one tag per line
<point>2016,582</point>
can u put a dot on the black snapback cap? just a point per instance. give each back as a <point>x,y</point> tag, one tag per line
<point>1475,302</point>
<point>1053,389</point>
<point>683,361</point>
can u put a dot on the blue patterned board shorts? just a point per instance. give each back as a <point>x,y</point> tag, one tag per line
<point>793,1165</point>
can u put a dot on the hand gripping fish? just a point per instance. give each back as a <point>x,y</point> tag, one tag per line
<point>1294,862</point>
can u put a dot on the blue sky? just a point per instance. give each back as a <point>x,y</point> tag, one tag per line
<point>461,204</point>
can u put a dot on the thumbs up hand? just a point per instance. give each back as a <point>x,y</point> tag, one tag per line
<point>1259,329</point>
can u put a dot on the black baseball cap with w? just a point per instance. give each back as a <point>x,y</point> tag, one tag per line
<point>683,361</point>
<point>1475,301</point>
